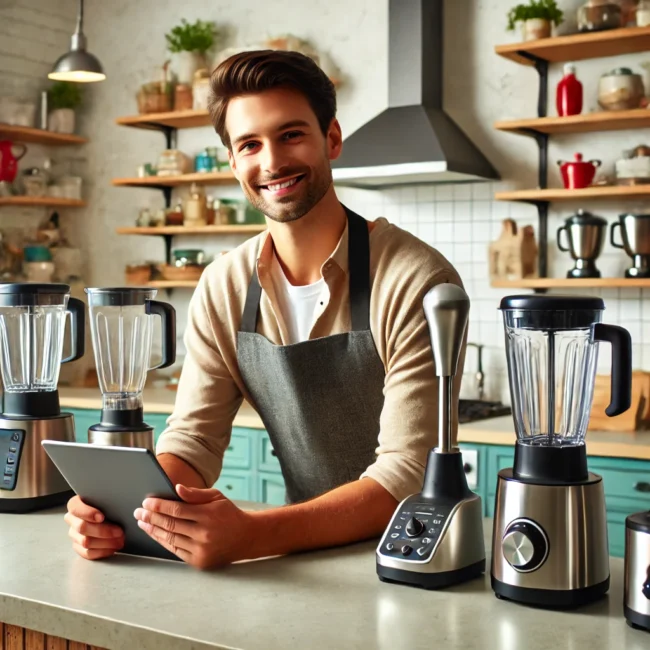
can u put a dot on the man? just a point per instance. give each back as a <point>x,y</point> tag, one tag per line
<point>318,323</point>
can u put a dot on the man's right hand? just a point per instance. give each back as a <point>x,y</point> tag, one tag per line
<point>92,538</point>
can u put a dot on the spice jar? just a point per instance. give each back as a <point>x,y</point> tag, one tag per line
<point>38,266</point>
<point>201,90</point>
<point>182,97</point>
<point>643,13</point>
<point>174,216</point>
<point>598,15</point>
<point>196,207</point>
<point>188,257</point>
<point>209,211</point>
<point>620,90</point>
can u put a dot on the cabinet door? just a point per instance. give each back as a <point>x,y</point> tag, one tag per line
<point>236,485</point>
<point>624,479</point>
<point>239,452</point>
<point>498,458</point>
<point>268,460</point>
<point>271,489</point>
<point>616,532</point>
<point>83,420</point>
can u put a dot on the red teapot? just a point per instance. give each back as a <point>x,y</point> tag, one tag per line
<point>8,162</point>
<point>578,173</point>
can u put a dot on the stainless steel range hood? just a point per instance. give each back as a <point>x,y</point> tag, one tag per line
<point>413,140</point>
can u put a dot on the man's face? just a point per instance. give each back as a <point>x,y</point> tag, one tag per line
<point>278,152</point>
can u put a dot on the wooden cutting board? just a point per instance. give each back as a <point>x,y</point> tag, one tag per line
<point>637,417</point>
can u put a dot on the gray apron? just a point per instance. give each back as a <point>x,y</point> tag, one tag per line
<point>320,400</point>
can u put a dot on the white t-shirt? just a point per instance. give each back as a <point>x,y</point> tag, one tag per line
<point>298,304</point>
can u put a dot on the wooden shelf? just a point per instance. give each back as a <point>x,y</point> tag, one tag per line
<point>569,283</point>
<point>173,119</point>
<point>46,201</point>
<point>577,47</point>
<point>246,229</point>
<point>200,178</point>
<point>639,118</point>
<point>560,194</point>
<point>38,136</point>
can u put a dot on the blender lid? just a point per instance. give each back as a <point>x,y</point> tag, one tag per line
<point>119,296</point>
<point>552,303</point>
<point>639,521</point>
<point>585,218</point>
<point>27,294</point>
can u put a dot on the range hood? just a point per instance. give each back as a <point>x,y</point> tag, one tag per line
<point>413,141</point>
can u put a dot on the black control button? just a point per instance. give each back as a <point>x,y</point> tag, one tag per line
<point>406,550</point>
<point>390,546</point>
<point>525,545</point>
<point>11,460</point>
<point>414,527</point>
<point>394,535</point>
<point>422,550</point>
<point>426,540</point>
<point>15,437</point>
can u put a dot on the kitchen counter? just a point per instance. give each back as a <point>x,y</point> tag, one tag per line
<point>495,431</point>
<point>326,599</point>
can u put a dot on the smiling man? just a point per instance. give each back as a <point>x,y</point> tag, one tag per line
<point>317,322</point>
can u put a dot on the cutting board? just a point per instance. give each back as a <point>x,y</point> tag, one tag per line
<point>637,417</point>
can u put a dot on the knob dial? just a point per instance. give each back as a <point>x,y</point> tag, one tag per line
<point>414,527</point>
<point>525,545</point>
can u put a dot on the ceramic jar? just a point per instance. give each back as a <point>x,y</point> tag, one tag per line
<point>620,90</point>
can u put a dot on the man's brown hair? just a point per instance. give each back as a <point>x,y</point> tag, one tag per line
<point>253,72</point>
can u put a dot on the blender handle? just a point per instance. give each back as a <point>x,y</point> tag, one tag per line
<point>77,309</point>
<point>621,378</point>
<point>168,323</point>
<point>559,241</point>
<point>611,235</point>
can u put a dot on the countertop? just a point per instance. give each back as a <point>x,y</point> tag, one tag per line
<point>495,431</point>
<point>319,600</point>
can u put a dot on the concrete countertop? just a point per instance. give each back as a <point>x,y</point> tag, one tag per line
<point>495,431</point>
<point>320,600</point>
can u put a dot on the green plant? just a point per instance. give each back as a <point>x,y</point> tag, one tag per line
<point>186,37</point>
<point>545,9</point>
<point>64,94</point>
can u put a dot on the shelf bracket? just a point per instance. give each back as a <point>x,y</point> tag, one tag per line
<point>168,248</point>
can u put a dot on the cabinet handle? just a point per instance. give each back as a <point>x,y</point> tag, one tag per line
<point>229,448</point>
<point>273,453</point>
<point>228,487</point>
<point>642,486</point>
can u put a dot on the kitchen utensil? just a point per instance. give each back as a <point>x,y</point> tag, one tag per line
<point>435,537</point>
<point>121,327</point>
<point>578,173</point>
<point>32,327</point>
<point>635,233</point>
<point>549,544</point>
<point>598,15</point>
<point>568,94</point>
<point>9,161</point>
<point>636,583</point>
<point>620,90</point>
<point>585,234</point>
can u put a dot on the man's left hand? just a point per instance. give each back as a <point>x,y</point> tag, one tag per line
<point>205,529</point>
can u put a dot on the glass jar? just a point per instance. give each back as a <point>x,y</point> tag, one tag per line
<point>620,90</point>
<point>188,257</point>
<point>598,15</point>
<point>643,13</point>
<point>201,90</point>
<point>38,266</point>
<point>196,207</point>
<point>34,182</point>
<point>173,162</point>
<point>174,216</point>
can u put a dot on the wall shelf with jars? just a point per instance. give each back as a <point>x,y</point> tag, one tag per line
<point>39,136</point>
<point>624,106</point>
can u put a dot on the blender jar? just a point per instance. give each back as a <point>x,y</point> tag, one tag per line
<point>552,351</point>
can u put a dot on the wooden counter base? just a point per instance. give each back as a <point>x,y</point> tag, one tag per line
<point>13,637</point>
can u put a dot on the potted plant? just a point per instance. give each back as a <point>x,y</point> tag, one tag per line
<point>188,43</point>
<point>536,17</point>
<point>63,98</point>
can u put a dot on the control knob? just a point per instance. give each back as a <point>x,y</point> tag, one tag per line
<point>525,545</point>
<point>414,527</point>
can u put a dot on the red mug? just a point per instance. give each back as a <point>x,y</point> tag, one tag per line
<point>578,173</point>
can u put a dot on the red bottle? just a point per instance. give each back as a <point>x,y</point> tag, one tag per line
<point>568,98</point>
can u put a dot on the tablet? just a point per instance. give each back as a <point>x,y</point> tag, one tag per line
<point>116,480</point>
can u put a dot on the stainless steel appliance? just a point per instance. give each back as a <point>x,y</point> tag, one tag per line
<point>32,327</point>
<point>636,588</point>
<point>585,233</point>
<point>121,328</point>
<point>435,537</point>
<point>635,233</point>
<point>549,544</point>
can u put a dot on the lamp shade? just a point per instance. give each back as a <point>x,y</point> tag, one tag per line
<point>79,66</point>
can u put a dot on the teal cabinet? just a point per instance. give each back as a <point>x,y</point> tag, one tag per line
<point>236,485</point>
<point>271,488</point>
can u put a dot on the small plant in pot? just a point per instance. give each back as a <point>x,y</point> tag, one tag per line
<point>189,43</point>
<point>536,17</point>
<point>63,98</point>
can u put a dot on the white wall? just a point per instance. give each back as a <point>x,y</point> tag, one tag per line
<point>480,88</point>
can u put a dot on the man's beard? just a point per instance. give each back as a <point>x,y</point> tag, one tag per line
<point>291,208</point>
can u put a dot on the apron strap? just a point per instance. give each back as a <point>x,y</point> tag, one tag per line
<point>359,269</point>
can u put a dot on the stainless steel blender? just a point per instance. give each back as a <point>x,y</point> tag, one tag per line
<point>32,327</point>
<point>121,327</point>
<point>435,538</point>
<point>636,585</point>
<point>549,545</point>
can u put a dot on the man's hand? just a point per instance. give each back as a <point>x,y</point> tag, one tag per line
<point>92,538</point>
<point>207,530</point>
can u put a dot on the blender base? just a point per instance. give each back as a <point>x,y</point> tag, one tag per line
<point>431,580</point>
<point>33,504</point>
<point>636,620</point>
<point>550,598</point>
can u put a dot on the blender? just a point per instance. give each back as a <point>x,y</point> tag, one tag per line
<point>32,327</point>
<point>549,545</point>
<point>435,537</point>
<point>121,328</point>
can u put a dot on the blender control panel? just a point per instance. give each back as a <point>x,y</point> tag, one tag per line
<point>11,446</point>
<point>415,531</point>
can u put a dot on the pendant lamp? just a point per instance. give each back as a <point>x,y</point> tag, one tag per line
<point>78,65</point>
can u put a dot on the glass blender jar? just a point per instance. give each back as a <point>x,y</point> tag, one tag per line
<point>121,327</point>
<point>550,542</point>
<point>32,326</point>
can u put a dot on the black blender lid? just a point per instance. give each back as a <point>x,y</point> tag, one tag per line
<point>585,218</point>
<point>32,294</point>
<point>119,296</point>
<point>531,302</point>
<point>639,521</point>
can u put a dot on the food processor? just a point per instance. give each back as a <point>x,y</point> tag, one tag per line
<point>549,545</point>
<point>121,329</point>
<point>435,537</point>
<point>32,327</point>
